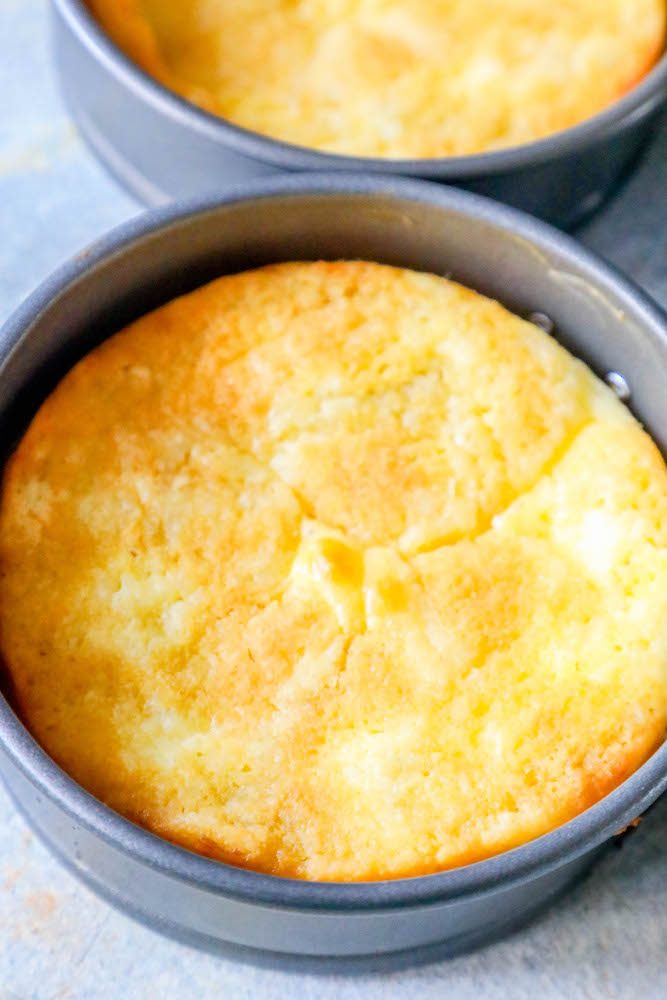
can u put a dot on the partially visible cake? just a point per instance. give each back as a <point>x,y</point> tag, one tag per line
<point>396,78</point>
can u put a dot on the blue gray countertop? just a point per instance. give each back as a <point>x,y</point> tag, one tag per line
<point>606,940</point>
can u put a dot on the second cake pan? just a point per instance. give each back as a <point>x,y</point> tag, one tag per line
<point>598,315</point>
<point>160,147</point>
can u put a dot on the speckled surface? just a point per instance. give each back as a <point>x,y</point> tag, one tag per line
<point>607,940</point>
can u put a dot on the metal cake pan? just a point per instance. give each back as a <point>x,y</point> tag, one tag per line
<point>530,267</point>
<point>161,147</point>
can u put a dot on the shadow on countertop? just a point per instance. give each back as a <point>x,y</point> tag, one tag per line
<point>641,249</point>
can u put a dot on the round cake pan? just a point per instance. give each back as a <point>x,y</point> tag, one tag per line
<point>162,147</point>
<point>525,264</point>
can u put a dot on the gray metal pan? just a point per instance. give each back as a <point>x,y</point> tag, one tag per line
<point>598,315</point>
<point>161,147</point>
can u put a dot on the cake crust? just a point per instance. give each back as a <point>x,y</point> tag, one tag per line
<point>337,571</point>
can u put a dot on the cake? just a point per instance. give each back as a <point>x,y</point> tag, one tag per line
<point>337,571</point>
<point>397,79</point>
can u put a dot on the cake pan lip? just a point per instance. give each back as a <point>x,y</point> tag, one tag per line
<point>645,96</point>
<point>524,863</point>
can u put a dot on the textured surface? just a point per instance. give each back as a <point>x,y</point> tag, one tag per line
<point>345,572</point>
<point>497,66</point>
<point>606,941</point>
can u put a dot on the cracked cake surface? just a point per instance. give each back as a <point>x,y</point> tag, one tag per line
<point>337,571</point>
<point>394,78</point>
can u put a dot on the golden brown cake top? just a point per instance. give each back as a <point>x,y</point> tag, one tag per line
<point>337,571</point>
<point>394,78</point>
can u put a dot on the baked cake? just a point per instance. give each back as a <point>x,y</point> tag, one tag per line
<point>397,78</point>
<point>337,571</point>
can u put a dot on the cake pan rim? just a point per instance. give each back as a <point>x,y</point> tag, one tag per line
<point>648,94</point>
<point>524,863</point>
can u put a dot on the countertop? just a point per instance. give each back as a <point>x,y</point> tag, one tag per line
<point>607,939</point>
